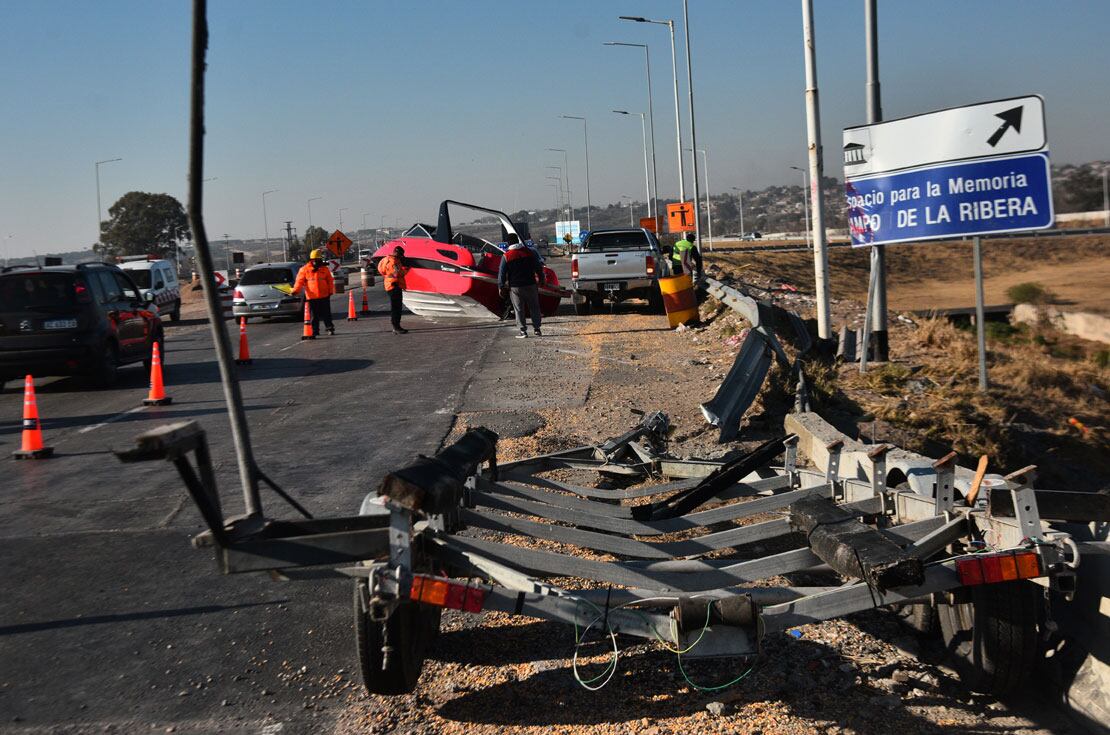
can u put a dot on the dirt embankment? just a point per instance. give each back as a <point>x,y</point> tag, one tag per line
<point>925,276</point>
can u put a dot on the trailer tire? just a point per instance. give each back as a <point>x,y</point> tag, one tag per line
<point>992,640</point>
<point>920,617</point>
<point>406,631</point>
<point>582,309</point>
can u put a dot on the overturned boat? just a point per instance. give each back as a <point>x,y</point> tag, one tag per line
<point>454,274</point>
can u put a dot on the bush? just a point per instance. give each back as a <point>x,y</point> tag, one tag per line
<point>1029,293</point>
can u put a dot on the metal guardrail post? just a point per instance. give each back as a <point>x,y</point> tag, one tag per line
<point>944,489</point>
<point>877,455</point>
<point>790,463</point>
<point>1025,501</point>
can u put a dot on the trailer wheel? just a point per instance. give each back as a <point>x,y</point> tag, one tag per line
<point>920,617</point>
<point>992,640</point>
<point>582,309</point>
<point>407,631</point>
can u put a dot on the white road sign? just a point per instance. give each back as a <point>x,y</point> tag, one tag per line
<point>997,128</point>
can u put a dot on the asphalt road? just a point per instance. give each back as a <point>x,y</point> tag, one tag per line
<point>109,619</point>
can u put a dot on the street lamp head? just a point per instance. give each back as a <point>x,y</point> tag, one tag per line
<point>622,112</point>
<point>634,18</point>
<point>560,150</point>
<point>572,117</point>
<point>798,168</point>
<point>623,43</point>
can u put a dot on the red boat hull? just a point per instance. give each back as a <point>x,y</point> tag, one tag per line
<point>449,281</point>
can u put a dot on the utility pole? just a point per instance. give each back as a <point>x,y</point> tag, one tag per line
<point>740,197</point>
<point>816,173</point>
<point>1105,198</point>
<point>266,221</point>
<point>877,304</point>
<point>99,213</point>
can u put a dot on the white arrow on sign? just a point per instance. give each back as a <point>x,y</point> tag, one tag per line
<point>1001,127</point>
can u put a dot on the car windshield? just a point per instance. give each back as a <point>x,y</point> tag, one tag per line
<point>140,277</point>
<point>36,291</point>
<point>631,240</point>
<point>266,276</point>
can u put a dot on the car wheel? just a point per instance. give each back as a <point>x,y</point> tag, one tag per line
<point>104,373</point>
<point>175,315</point>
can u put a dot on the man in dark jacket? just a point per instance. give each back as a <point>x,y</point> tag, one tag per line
<point>521,273</point>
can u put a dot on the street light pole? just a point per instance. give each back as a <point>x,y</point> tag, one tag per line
<point>677,116</point>
<point>816,172</point>
<point>558,182</point>
<point>1105,199</point>
<point>693,131</point>
<point>562,193</point>
<point>708,211</point>
<point>566,176</point>
<point>631,222</point>
<point>586,145</point>
<point>341,211</point>
<point>805,200</point>
<point>266,225</point>
<point>643,129</point>
<point>99,212</point>
<point>310,201</point>
<point>653,211</point>
<point>740,197</point>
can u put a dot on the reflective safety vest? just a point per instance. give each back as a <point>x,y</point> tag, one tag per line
<point>680,250</point>
<point>317,283</point>
<point>393,272</point>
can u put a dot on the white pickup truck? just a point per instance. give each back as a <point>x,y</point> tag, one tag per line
<point>618,265</point>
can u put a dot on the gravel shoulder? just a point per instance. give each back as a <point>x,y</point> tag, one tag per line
<point>499,674</point>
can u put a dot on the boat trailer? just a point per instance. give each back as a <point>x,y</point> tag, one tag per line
<point>439,534</point>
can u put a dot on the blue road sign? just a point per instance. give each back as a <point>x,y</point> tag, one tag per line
<point>952,200</point>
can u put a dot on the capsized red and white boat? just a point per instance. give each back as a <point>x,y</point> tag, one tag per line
<point>455,274</point>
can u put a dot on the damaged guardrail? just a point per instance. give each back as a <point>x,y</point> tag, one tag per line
<point>749,370</point>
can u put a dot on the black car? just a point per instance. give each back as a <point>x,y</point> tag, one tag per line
<point>86,320</point>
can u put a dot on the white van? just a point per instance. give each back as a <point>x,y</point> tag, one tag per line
<point>160,278</point>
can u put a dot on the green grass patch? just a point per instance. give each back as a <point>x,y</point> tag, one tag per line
<point>1029,293</point>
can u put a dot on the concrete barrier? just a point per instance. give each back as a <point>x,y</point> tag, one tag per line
<point>1095,327</point>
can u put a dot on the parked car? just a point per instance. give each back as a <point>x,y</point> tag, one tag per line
<point>86,320</point>
<point>617,264</point>
<point>256,295</point>
<point>753,235</point>
<point>160,278</point>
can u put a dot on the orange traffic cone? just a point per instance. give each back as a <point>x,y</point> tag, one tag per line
<point>244,346</point>
<point>307,333</point>
<point>157,395</point>
<point>32,447</point>
<point>365,304</point>
<point>351,315</point>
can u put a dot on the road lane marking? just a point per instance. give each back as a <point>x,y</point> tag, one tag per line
<point>112,420</point>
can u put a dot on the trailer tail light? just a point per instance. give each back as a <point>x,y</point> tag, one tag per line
<point>445,593</point>
<point>574,268</point>
<point>991,568</point>
<point>650,261</point>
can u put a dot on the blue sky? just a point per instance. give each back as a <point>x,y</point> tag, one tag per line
<point>385,108</point>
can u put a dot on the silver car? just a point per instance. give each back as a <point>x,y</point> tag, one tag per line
<point>258,292</point>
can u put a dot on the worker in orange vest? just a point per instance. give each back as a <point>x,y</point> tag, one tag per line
<point>393,269</point>
<point>318,284</point>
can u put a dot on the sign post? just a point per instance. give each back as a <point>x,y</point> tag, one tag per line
<point>965,171</point>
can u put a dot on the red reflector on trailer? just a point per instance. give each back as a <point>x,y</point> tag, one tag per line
<point>444,593</point>
<point>991,568</point>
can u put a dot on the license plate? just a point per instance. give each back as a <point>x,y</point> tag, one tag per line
<point>611,286</point>
<point>60,324</point>
<point>263,307</point>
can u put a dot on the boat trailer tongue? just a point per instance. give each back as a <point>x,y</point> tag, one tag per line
<point>442,532</point>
